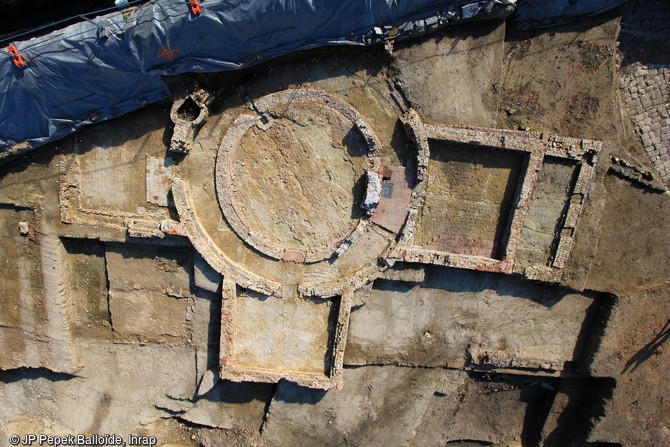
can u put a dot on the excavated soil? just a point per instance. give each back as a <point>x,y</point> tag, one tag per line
<point>545,212</point>
<point>469,197</point>
<point>298,183</point>
<point>103,330</point>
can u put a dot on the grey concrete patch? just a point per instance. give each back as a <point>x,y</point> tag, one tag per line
<point>158,179</point>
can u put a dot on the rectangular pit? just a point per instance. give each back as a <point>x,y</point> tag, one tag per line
<point>88,276</point>
<point>268,338</point>
<point>547,207</point>
<point>21,301</point>
<point>459,318</point>
<point>149,293</point>
<point>115,180</point>
<point>471,245</point>
<point>470,193</point>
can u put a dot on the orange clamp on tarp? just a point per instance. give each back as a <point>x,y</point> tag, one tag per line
<point>19,61</point>
<point>195,7</point>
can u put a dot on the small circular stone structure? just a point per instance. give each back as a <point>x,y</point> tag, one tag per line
<point>290,182</point>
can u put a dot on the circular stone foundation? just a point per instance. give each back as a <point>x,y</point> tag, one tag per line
<point>290,182</point>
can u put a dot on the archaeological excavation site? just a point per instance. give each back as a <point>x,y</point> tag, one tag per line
<point>356,223</point>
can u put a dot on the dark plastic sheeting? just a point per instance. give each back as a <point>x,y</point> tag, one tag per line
<point>86,73</point>
<point>531,14</point>
<point>100,69</point>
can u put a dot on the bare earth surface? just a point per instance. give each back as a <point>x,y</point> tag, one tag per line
<point>297,181</point>
<point>132,303</point>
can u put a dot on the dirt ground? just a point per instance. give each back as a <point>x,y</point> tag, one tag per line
<point>469,199</point>
<point>287,340</point>
<point>548,205</point>
<point>114,319</point>
<point>305,168</point>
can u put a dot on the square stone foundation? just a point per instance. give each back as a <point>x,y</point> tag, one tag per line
<point>478,185</point>
<point>469,196</point>
<point>268,338</point>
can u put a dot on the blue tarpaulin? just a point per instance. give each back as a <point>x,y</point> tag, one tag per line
<point>99,69</point>
<point>531,14</point>
<point>105,67</point>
